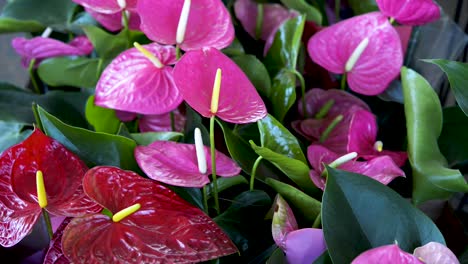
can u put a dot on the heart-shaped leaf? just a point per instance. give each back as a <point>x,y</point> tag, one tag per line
<point>283,93</point>
<point>70,71</point>
<point>256,72</point>
<point>102,119</point>
<point>107,46</point>
<point>453,140</point>
<point>12,133</point>
<point>144,139</point>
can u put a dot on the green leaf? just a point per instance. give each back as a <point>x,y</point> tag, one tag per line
<point>235,49</point>
<point>12,134</point>
<point>285,48</point>
<point>312,14</point>
<point>359,213</point>
<point>431,177</point>
<point>283,93</point>
<point>94,148</point>
<point>10,25</point>
<point>70,71</point>
<point>102,119</point>
<point>225,183</point>
<point>194,120</point>
<point>324,259</point>
<point>306,206</point>
<point>144,139</point>
<point>107,45</point>
<point>363,6</point>
<point>256,71</point>
<point>453,140</point>
<point>457,73</point>
<point>191,195</point>
<point>277,257</point>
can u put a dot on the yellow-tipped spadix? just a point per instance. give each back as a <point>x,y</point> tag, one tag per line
<point>41,192</point>
<point>150,56</point>
<point>126,212</point>
<point>215,94</point>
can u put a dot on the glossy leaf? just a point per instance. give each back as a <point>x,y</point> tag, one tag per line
<point>363,6</point>
<point>70,71</point>
<point>107,46</point>
<point>225,183</point>
<point>102,119</point>
<point>144,139</point>
<point>256,72</point>
<point>92,147</point>
<point>453,140</point>
<point>312,14</point>
<point>12,133</point>
<point>370,215</point>
<point>184,235</point>
<point>283,93</point>
<point>457,73</point>
<point>431,177</point>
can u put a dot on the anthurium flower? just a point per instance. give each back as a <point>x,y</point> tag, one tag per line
<point>155,123</point>
<point>177,164</point>
<point>435,253</point>
<point>366,48</point>
<point>62,173</point>
<point>195,74</point>
<point>107,6</point>
<point>410,12</point>
<point>200,24</point>
<point>114,22</point>
<point>40,48</point>
<point>381,169</point>
<point>389,254</point>
<point>150,224</point>
<point>362,138</point>
<point>55,254</point>
<point>140,81</point>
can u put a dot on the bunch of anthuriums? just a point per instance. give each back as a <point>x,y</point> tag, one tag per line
<point>238,131</point>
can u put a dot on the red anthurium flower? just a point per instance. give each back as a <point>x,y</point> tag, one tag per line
<point>40,48</point>
<point>381,169</point>
<point>150,224</point>
<point>113,22</point>
<point>200,24</point>
<point>410,12</point>
<point>435,253</point>
<point>55,254</point>
<point>366,48</point>
<point>107,6</point>
<point>362,139</point>
<point>239,101</point>
<point>140,81</point>
<point>389,254</point>
<point>177,164</point>
<point>62,174</point>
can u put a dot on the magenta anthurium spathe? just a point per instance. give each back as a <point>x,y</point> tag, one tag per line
<point>208,23</point>
<point>435,253</point>
<point>40,48</point>
<point>239,101</point>
<point>160,227</point>
<point>114,22</point>
<point>389,254</point>
<point>362,138</point>
<point>176,164</point>
<point>410,12</point>
<point>107,6</point>
<point>155,123</point>
<point>135,83</point>
<point>381,169</point>
<point>62,176</point>
<point>366,48</point>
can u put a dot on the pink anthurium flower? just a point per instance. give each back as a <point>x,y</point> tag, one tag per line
<point>239,101</point>
<point>410,12</point>
<point>114,22</point>
<point>150,224</point>
<point>192,24</point>
<point>177,164</point>
<point>435,253</point>
<point>140,81</point>
<point>362,138</point>
<point>55,254</point>
<point>381,169</point>
<point>107,6</point>
<point>40,48</point>
<point>366,48</point>
<point>302,246</point>
<point>389,254</point>
<point>37,164</point>
<point>155,123</point>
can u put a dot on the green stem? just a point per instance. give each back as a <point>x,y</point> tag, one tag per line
<point>48,223</point>
<point>254,170</point>
<point>337,10</point>
<point>330,128</point>
<point>213,163</point>
<point>126,27</point>
<point>392,21</point>
<point>32,76</point>
<point>302,81</point>
<point>317,221</point>
<point>178,52</point>
<point>99,68</point>
<point>172,121</point>
<point>205,200</point>
<point>343,81</point>
<point>259,21</point>
<point>36,117</point>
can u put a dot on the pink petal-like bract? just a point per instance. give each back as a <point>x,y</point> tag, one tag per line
<point>132,83</point>
<point>41,48</point>
<point>305,245</point>
<point>209,23</point>
<point>410,12</point>
<point>113,22</point>
<point>435,253</point>
<point>166,229</point>
<point>381,169</point>
<point>55,254</point>
<point>362,138</point>
<point>239,102</point>
<point>162,122</point>
<point>106,6</point>
<point>176,164</point>
<point>63,173</point>
<point>283,221</point>
<point>377,65</point>
<point>389,254</point>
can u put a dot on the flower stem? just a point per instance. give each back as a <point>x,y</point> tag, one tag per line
<point>254,170</point>
<point>126,27</point>
<point>48,223</point>
<point>302,81</point>
<point>213,163</point>
<point>337,10</point>
<point>32,77</point>
<point>178,52</point>
<point>259,21</point>
<point>343,81</point>
<point>205,200</point>
<point>317,221</point>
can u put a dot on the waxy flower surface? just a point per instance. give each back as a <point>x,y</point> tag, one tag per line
<point>165,228</point>
<point>410,12</point>
<point>208,23</point>
<point>108,6</point>
<point>62,174</point>
<point>114,22</point>
<point>55,254</point>
<point>435,253</point>
<point>176,164</point>
<point>239,101</point>
<point>390,254</point>
<point>155,123</point>
<point>366,48</point>
<point>140,83</point>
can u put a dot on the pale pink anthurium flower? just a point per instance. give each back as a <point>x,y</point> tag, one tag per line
<point>410,12</point>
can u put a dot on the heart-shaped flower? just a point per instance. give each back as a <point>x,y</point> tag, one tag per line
<point>155,123</point>
<point>435,253</point>
<point>55,254</point>
<point>114,22</point>
<point>107,6</point>
<point>410,12</point>
<point>389,254</point>
<point>150,224</point>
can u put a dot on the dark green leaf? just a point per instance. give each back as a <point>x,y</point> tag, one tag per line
<point>102,119</point>
<point>191,195</point>
<point>94,148</point>
<point>147,138</point>
<point>107,45</point>
<point>225,183</point>
<point>431,177</point>
<point>70,71</point>
<point>363,6</point>
<point>312,14</point>
<point>235,49</point>
<point>283,93</point>
<point>324,259</point>
<point>277,257</point>
<point>194,120</point>
<point>11,134</point>
<point>9,25</point>
<point>453,140</point>
<point>359,213</point>
<point>256,71</point>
